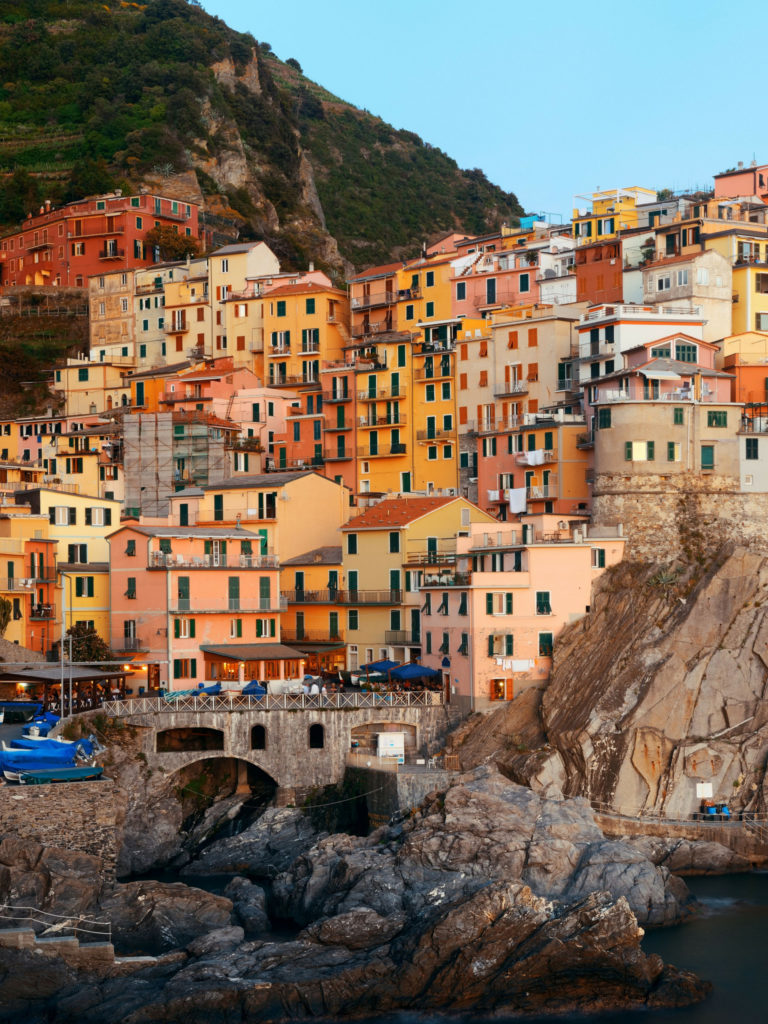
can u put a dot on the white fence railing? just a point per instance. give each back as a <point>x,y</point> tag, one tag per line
<point>276,702</point>
<point>56,924</point>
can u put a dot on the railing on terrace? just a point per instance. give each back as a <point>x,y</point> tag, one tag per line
<point>161,560</point>
<point>454,579</point>
<point>440,557</point>
<point>377,299</point>
<point>277,702</point>
<point>622,310</point>
<point>313,596</point>
<point>289,634</point>
<point>606,395</point>
<point>547,455</point>
<point>436,372</point>
<point>435,434</point>
<point>516,387</point>
<point>129,643</point>
<point>366,452</point>
<point>338,395</point>
<point>383,420</point>
<point>401,636</point>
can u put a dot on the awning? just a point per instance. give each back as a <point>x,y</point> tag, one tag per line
<point>252,652</point>
<point>661,374</point>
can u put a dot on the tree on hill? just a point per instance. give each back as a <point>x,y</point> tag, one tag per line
<point>88,178</point>
<point>169,245</point>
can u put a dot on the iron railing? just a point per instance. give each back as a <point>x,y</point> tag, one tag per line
<point>270,702</point>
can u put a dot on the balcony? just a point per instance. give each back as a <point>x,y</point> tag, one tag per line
<point>365,330</point>
<point>290,634</point>
<point>586,440</point>
<point>435,435</point>
<point>401,637</point>
<point>385,298</point>
<point>436,372</point>
<point>382,421</point>
<point>129,643</point>
<point>358,597</point>
<point>162,560</point>
<point>446,579</point>
<point>541,493</point>
<point>565,384</point>
<point>222,605</point>
<point>291,380</point>
<point>111,252</point>
<point>511,388</point>
<point>366,452</point>
<point>445,555</point>
<point>335,455</point>
<point>337,396</point>
<point>542,457</point>
<point>376,394</point>
<point>282,348</point>
<point>42,612</point>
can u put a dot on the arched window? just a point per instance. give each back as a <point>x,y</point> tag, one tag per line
<point>316,737</point>
<point>258,738</point>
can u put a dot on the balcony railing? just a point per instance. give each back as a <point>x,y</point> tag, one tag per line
<point>443,556</point>
<point>564,384</point>
<point>446,579</point>
<point>290,634</point>
<point>176,327</point>
<point>337,396</point>
<point>382,421</point>
<point>162,560</point>
<point>335,455</point>
<point>513,387</point>
<point>111,253</point>
<point>436,372</point>
<point>366,452</point>
<point>211,606</point>
<point>536,458</point>
<point>436,434</point>
<point>129,643</point>
<point>401,636</point>
<point>586,440</point>
<point>378,299</point>
<point>42,612</point>
<point>374,394</point>
<point>342,596</point>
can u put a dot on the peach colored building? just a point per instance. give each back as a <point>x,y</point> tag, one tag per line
<point>489,624</point>
<point>177,590</point>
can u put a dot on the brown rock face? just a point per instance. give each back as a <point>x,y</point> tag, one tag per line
<point>661,687</point>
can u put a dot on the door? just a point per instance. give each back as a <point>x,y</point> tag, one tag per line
<point>395,384</point>
<point>431,549</point>
<point>299,586</point>
<point>431,427</point>
<point>415,626</point>
<point>333,582</point>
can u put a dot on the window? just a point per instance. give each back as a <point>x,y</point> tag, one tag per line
<point>98,516</point>
<point>394,541</point>
<point>184,629</point>
<point>677,417</point>
<point>309,306</point>
<point>409,312</point>
<point>316,737</point>
<point>430,309</point>
<point>673,451</point>
<point>461,291</point>
<point>598,558</point>
<point>235,628</point>
<point>639,451</point>
<point>686,353</point>
<point>702,276</point>
<point>430,393</point>
<point>281,307</point>
<point>545,645</point>
<point>525,282</point>
<point>432,453</point>
<point>82,374</point>
<point>183,593</point>
<point>761,283</point>
<point>717,418</point>
<point>543,606</point>
<point>352,619</point>
<point>130,548</point>
<point>233,591</point>
<point>351,543</point>
<point>445,391</point>
<point>84,586</point>
<point>663,283</point>
<point>429,279</point>
<point>682,278</point>
<point>130,591</point>
<point>752,448</point>
<point>185,668</point>
<point>603,419</point>
<point>218,507</point>
<point>707,456</point>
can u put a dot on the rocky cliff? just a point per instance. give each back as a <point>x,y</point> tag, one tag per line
<point>661,686</point>
<point>490,898</point>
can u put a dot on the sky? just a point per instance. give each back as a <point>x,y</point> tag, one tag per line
<point>548,99</point>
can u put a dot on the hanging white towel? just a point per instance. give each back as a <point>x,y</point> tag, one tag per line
<point>517,499</point>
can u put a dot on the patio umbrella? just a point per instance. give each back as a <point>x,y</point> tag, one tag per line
<point>381,666</point>
<point>412,671</point>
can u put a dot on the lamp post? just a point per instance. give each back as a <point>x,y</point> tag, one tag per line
<point>64,638</point>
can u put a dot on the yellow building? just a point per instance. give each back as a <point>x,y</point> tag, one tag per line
<point>230,269</point>
<point>304,325</point>
<point>315,607</point>
<point>187,317</point>
<point>291,512</point>
<point>609,212</point>
<point>92,387</point>
<point>387,550</point>
<point>79,523</point>
<point>424,292</point>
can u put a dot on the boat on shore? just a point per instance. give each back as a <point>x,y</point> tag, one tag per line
<point>41,776</point>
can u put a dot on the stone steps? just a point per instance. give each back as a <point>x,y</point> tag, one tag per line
<point>69,947</point>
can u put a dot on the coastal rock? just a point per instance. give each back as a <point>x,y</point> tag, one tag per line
<point>151,917</point>
<point>361,928</point>
<point>691,857</point>
<point>249,902</point>
<point>220,940</point>
<point>265,849</point>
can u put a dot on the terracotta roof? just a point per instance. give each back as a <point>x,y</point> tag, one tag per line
<point>677,336</point>
<point>396,512</point>
<point>381,271</point>
<point>330,555</point>
<point>299,289</point>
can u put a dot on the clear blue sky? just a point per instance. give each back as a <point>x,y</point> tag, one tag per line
<point>549,99</point>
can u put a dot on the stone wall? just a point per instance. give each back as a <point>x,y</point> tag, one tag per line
<point>388,792</point>
<point>665,517</point>
<point>78,816</point>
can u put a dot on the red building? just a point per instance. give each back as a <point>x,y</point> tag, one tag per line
<point>64,246</point>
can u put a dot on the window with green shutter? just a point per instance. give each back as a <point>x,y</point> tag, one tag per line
<point>165,545</point>
<point>549,443</point>
<point>677,417</point>
<point>218,507</point>
<point>182,584</point>
<point>717,418</point>
<point>603,418</point>
<point>264,592</point>
<point>130,591</point>
<point>233,591</point>
<point>509,645</point>
<point>707,456</point>
<point>489,604</point>
<point>628,451</point>
<point>650,449</point>
<point>491,645</point>
<point>352,618</point>
<point>751,448</point>
<point>281,307</point>
<point>508,604</point>
<point>543,606</point>
<point>309,306</point>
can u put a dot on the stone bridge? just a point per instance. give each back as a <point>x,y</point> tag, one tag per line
<point>299,742</point>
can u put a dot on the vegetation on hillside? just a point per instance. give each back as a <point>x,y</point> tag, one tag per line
<point>97,94</point>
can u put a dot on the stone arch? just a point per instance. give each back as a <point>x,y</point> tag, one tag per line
<point>189,738</point>
<point>202,780</point>
<point>316,736</point>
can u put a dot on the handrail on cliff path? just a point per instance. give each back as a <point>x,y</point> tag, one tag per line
<point>57,924</point>
<point>755,822</point>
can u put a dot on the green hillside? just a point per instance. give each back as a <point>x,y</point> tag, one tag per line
<point>97,95</point>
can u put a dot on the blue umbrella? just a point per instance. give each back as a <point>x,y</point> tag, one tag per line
<point>381,666</point>
<point>411,671</point>
<point>254,689</point>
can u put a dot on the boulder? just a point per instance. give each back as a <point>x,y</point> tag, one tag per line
<point>220,940</point>
<point>249,902</point>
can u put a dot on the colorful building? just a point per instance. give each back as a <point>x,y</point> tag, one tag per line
<point>313,621</point>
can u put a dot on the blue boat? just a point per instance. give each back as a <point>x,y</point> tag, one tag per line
<point>40,776</point>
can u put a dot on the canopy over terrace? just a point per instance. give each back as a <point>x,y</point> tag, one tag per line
<point>42,681</point>
<point>264,662</point>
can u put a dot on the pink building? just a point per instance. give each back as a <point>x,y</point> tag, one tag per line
<point>490,624</point>
<point>485,281</point>
<point>183,600</point>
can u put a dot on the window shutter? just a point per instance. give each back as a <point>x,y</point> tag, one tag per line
<point>239,627</point>
<point>177,668</point>
<point>272,627</point>
<point>177,628</point>
<point>258,627</point>
<point>89,517</point>
<point>78,586</point>
<point>509,642</point>
<point>651,451</point>
<point>207,547</point>
<point>628,451</point>
<point>90,586</point>
<point>509,604</point>
<point>490,646</point>
<point>73,517</point>
<point>52,515</point>
<point>107,516</point>
<point>193,668</point>
<point>489,604</point>
<point>191,628</point>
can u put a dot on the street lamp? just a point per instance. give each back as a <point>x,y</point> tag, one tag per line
<point>64,638</point>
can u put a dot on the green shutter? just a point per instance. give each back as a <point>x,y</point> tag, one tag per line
<point>193,668</point>
<point>207,547</point>
<point>508,603</point>
<point>177,668</point>
<point>78,586</point>
<point>489,604</point>
<point>509,645</point>
<point>628,451</point>
<point>239,627</point>
<point>177,628</point>
<point>490,646</point>
<point>191,628</point>
<point>258,627</point>
<point>651,451</point>
<point>272,627</point>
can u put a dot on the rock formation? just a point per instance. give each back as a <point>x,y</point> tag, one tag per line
<point>661,687</point>
<point>491,898</point>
